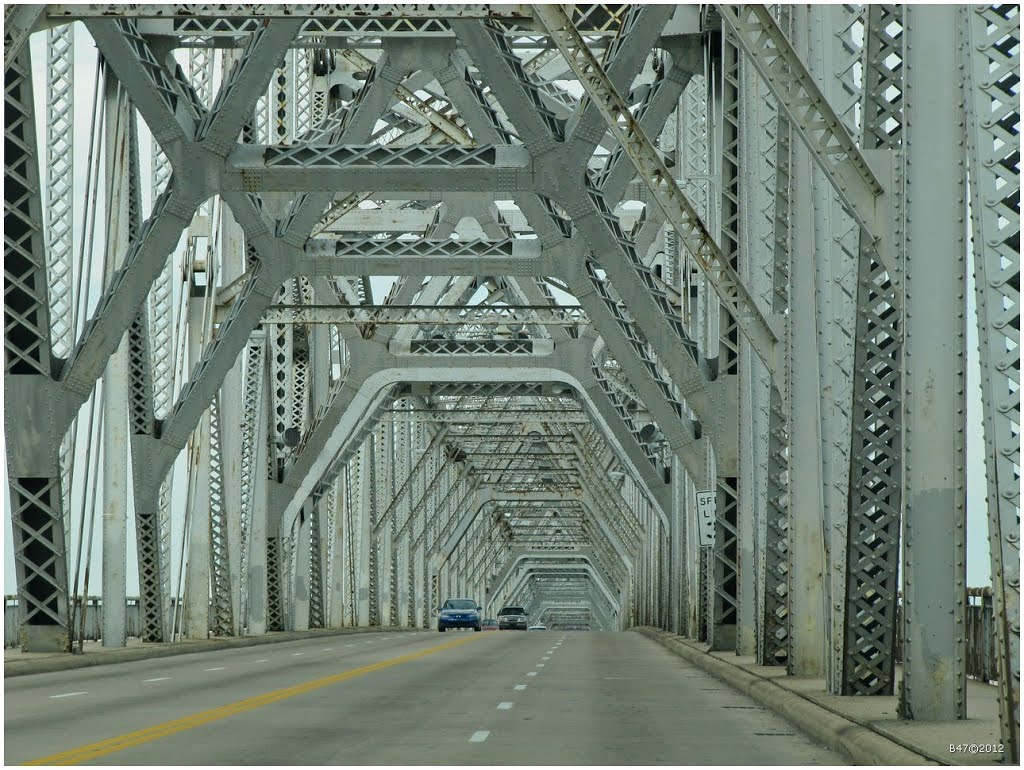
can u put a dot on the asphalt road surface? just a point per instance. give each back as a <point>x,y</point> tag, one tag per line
<point>461,698</point>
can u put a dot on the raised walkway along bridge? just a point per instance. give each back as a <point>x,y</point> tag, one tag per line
<point>696,320</point>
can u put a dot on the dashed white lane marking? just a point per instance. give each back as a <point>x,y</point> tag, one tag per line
<point>479,736</point>
<point>531,673</point>
<point>540,665</point>
<point>350,645</point>
<point>369,642</point>
<point>519,687</point>
<point>505,705</point>
<point>157,679</point>
<point>326,649</point>
<point>297,654</point>
<point>545,657</point>
<point>218,668</point>
<point>69,694</point>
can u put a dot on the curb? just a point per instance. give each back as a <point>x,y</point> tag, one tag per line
<point>860,744</point>
<point>67,662</point>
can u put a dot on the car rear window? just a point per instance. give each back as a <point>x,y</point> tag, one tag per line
<point>512,611</point>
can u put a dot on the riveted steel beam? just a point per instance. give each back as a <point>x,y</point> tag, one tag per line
<point>328,168</point>
<point>446,315</point>
<point>660,181</point>
<point>813,118</point>
<point>992,97</point>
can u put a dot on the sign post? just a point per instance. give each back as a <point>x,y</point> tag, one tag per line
<point>706,517</point>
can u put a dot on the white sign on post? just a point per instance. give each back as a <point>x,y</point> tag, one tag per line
<point>706,517</point>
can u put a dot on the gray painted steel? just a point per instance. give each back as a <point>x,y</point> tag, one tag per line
<point>474,306</point>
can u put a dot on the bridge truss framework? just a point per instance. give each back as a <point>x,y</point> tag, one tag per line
<point>405,302</point>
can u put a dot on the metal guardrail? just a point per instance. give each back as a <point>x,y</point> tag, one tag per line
<point>93,618</point>
<point>982,663</point>
<point>980,621</point>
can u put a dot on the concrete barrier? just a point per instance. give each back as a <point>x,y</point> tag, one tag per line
<point>860,744</point>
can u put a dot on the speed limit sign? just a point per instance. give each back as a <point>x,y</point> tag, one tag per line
<point>706,517</point>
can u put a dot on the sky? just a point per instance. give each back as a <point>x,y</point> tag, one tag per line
<point>978,567</point>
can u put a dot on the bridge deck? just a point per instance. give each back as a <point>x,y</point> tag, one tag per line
<point>595,698</point>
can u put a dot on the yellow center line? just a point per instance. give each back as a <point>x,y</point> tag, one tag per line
<point>121,742</point>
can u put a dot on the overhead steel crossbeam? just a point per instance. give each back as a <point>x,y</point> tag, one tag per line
<point>203,23</point>
<point>419,315</point>
<point>311,10</point>
<point>328,167</point>
<point>655,174</point>
<point>811,116</point>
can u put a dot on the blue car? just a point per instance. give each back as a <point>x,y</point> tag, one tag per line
<point>459,613</point>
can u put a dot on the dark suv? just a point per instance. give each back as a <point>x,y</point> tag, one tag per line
<point>512,618</point>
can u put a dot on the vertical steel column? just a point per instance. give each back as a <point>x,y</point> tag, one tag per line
<point>115,376</point>
<point>365,565</point>
<point>231,403</point>
<point>353,499</point>
<point>319,533</point>
<point>679,592</point>
<point>374,480</point>
<point>336,584</point>
<point>152,542</point>
<point>753,376</point>
<point>773,617</point>
<point>807,611</point>
<point>393,470</point>
<point>692,564</point>
<point>934,678</point>
<point>60,214</point>
<point>318,387</point>
<point>289,570</point>
<point>222,611</point>
<point>836,237</point>
<point>992,96</point>
<point>876,464</point>
<point>153,527</point>
<point>197,570</point>
<point>32,460</point>
<point>229,412</point>
<point>303,561</point>
<point>722,631</point>
<point>256,417</point>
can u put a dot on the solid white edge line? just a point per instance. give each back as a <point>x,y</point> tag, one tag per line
<point>479,736</point>
<point>218,668</point>
<point>296,654</point>
<point>157,679</point>
<point>70,694</point>
<point>261,660</point>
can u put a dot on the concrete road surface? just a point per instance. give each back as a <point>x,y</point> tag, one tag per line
<point>460,698</point>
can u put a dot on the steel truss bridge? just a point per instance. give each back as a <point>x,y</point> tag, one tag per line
<point>347,309</point>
